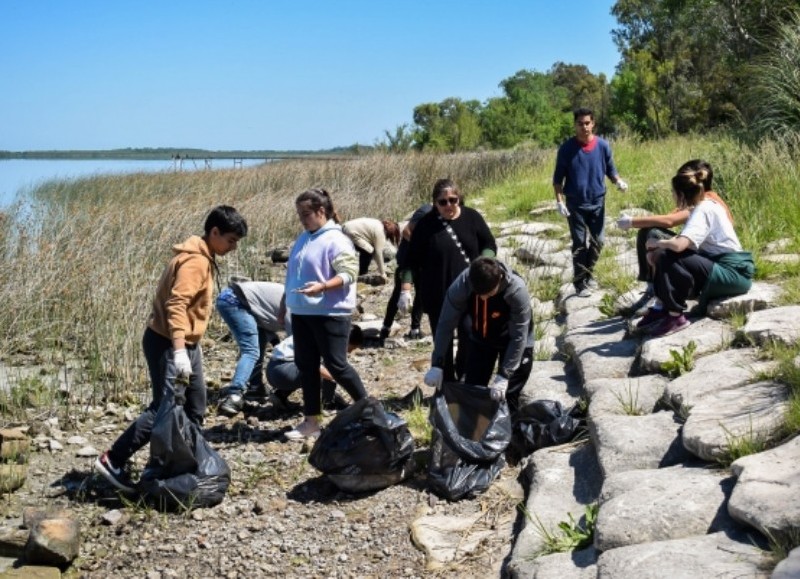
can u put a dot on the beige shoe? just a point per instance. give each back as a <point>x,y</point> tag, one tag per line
<point>306,429</point>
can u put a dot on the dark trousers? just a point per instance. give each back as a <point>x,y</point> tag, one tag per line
<point>586,228</point>
<point>391,307</point>
<point>453,369</point>
<point>481,361</point>
<point>323,337</point>
<point>364,257</point>
<point>679,276</point>
<point>284,377</point>
<point>645,233</point>
<point>160,359</point>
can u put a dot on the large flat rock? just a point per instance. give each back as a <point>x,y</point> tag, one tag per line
<point>574,565</point>
<point>712,373</point>
<point>642,506</point>
<point>709,556</point>
<point>781,325</point>
<point>635,395</point>
<point>707,334</point>
<point>626,443</point>
<point>767,490</point>
<point>564,479</point>
<point>761,296</point>
<point>548,381</point>
<point>749,412</point>
<point>600,349</point>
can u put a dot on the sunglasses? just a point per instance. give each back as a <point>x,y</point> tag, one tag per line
<point>447,201</point>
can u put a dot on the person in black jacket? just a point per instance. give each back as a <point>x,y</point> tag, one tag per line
<point>444,243</point>
<point>497,306</point>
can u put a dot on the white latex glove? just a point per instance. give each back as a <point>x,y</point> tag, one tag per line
<point>404,301</point>
<point>498,387</point>
<point>625,221</point>
<point>182,363</point>
<point>434,377</point>
<point>622,185</point>
<point>562,208</point>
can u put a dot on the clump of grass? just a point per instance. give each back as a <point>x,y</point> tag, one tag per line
<point>737,446</point>
<point>681,361</point>
<point>418,424</point>
<point>629,400</point>
<point>571,535</point>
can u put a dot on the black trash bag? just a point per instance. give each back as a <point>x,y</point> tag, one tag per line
<point>470,435</point>
<point>543,423</point>
<point>183,472</point>
<point>365,448</point>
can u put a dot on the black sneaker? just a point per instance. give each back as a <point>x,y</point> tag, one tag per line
<point>414,334</point>
<point>232,403</point>
<point>257,392</point>
<point>334,405</point>
<point>116,476</point>
<point>639,307</point>
<point>280,403</point>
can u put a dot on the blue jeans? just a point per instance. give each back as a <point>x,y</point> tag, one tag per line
<point>245,331</point>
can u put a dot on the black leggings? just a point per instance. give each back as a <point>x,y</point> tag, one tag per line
<point>680,276</point>
<point>323,337</point>
<point>391,307</point>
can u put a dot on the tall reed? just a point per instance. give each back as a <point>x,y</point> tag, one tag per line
<point>82,256</point>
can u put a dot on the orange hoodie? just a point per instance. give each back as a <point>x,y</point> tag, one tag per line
<point>183,301</point>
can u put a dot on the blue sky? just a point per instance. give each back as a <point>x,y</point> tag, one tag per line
<point>268,74</point>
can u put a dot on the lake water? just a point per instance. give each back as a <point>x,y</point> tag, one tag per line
<point>19,175</point>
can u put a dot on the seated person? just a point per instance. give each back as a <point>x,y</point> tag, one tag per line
<point>250,309</point>
<point>284,377</point>
<point>704,260</point>
<point>660,227</point>
<point>497,306</point>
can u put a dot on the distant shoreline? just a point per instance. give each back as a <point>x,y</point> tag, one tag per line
<point>172,154</point>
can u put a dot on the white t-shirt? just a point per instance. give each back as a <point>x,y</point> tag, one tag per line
<point>710,230</point>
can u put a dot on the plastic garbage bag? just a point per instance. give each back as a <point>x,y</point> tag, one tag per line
<point>543,423</point>
<point>183,472</point>
<point>470,435</point>
<point>365,448</point>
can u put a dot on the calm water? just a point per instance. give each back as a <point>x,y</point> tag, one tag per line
<point>19,175</point>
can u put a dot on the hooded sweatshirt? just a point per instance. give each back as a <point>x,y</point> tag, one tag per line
<point>317,257</point>
<point>183,302</point>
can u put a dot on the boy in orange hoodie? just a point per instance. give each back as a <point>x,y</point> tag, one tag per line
<point>181,310</point>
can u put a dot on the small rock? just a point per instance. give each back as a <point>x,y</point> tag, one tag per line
<point>87,451</point>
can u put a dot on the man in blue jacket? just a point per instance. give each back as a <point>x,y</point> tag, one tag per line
<point>497,307</point>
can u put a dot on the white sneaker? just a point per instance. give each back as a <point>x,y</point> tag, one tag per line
<point>306,429</point>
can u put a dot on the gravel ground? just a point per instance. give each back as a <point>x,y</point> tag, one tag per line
<point>280,518</point>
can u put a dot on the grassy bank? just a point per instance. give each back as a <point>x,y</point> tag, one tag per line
<point>81,262</point>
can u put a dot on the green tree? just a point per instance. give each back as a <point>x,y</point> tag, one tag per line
<point>584,89</point>
<point>535,108</point>
<point>452,125</point>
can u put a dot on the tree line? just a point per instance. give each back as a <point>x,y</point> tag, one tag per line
<point>687,66</point>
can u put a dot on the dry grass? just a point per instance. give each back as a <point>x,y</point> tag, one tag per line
<point>81,262</point>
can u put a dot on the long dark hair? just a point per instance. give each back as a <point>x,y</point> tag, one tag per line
<point>319,198</point>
